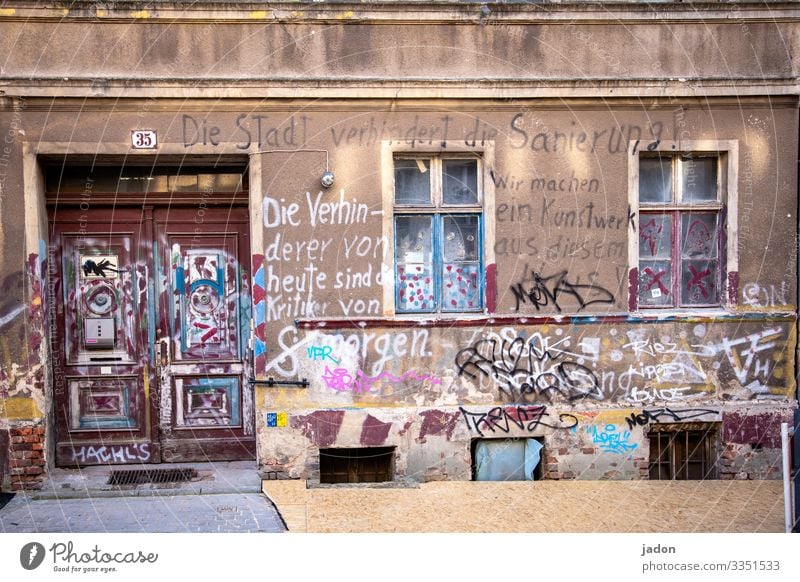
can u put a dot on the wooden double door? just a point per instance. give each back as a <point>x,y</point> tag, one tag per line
<point>150,327</point>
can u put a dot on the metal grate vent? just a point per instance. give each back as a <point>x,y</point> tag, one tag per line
<point>147,476</point>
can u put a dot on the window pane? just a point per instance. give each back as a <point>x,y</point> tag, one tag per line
<point>699,177</point>
<point>412,239</point>
<point>460,238</point>
<point>412,181</point>
<point>655,236</point>
<point>655,283</point>
<point>461,287</point>
<point>655,180</point>
<point>414,276</point>
<point>699,282</point>
<point>460,181</point>
<point>415,287</point>
<point>699,235</point>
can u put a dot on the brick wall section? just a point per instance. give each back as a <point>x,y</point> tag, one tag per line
<point>3,457</point>
<point>26,458</point>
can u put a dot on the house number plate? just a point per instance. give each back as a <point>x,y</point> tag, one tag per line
<point>143,139</point>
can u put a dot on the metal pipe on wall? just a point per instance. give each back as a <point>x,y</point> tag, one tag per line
<point>787,476</point>
<point>796,528</point>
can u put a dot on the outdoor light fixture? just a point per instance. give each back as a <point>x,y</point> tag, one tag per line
<point>327,177</point>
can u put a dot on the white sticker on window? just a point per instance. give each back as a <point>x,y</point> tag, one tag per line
<point>655,293</point>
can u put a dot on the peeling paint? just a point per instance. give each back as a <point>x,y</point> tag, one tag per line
<point>374,432</point>
<point>762,429</point>
<point>320,427</point>
<point>20,409</point>
<point>434,422</point>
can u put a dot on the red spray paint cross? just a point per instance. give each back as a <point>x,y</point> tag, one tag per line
<point>697,279</point>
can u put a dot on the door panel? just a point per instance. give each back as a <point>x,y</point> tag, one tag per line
<point>206,297</point>
<point>101,370</point>
<point>152,320</point>
<point>206,404</point>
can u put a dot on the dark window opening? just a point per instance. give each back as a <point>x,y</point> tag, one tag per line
<point>517,459</point>
<point>682,453</point>
<point>367,465</point>
<point>144,179</point>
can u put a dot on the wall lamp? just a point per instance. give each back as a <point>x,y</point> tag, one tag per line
<point>327,177</point>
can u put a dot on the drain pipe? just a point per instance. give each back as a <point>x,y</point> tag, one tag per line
<point>786,434</point>
<point>796,251</point>
<point>796,528</point>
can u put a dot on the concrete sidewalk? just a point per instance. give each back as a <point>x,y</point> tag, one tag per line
<point>223,497</point>
<point>215,513</point>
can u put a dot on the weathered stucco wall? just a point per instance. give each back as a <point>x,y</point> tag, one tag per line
<point>429,392</point>
<point>300,44</point>
<point>556,172</point>
<point>559,178</point>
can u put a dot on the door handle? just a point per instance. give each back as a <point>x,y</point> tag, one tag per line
<point>163,353</point>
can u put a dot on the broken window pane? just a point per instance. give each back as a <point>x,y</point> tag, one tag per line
<point>507,459</point>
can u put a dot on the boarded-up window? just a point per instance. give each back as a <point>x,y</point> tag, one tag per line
<point>682,453</point>
<point>364,465</point>
<point>506,459</point>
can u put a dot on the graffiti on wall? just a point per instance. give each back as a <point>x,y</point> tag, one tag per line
<point>766,296</point>
<point>552,290</point>
<point>611,439</point>
<point>524,418</point>
<point>96,454</point>
<point>638,367</point>
<point>529,369</point>
<point>645,417</point>
<point>341,380</point>
<point>374,349</point>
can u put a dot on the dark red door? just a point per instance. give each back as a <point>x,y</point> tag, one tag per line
<point>151,318</point>
<point>206,408</point>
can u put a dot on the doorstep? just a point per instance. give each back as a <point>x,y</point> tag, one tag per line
<point>212,478</point>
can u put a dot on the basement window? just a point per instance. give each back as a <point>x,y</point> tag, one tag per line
<point>364,465</point>
<point>682,452</point>
<point>507,459</point>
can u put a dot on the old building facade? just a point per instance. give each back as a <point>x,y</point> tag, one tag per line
<point>560,241</point>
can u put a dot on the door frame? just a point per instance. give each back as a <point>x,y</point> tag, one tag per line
<point>39,250</point>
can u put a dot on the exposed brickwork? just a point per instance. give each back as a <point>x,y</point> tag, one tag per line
<point>743,462</point>
<point>4,460</point>
<point>26,458</point>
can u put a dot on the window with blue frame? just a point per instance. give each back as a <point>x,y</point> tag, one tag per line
<point>438,229</point>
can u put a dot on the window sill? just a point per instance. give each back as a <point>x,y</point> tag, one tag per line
<point>473,320</point>
<point>710,313</point>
